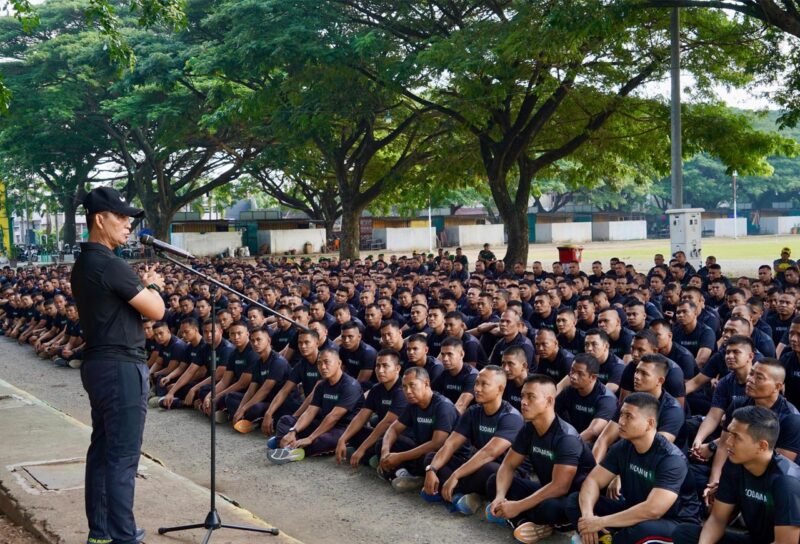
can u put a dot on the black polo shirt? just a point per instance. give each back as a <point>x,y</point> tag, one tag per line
<point>102,284</point>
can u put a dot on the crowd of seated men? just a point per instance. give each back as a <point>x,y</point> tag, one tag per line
<point>623,406</point>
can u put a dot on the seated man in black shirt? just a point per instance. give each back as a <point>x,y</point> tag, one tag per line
<point>586,404</point>
<point>515,365</point>
<point>358,357</point>
<point>336,399</point>
<point>756,481</point>
<point>653,474</point>
<point>385,402</point>
<point>598,345</point>
<point>559,458</point>
<point>488,428</point>
<point>269,375</point>
<point>551,359</point>
<point>422,428</point>
<point>417,355</point>
<point>569,337</point>
<point>238,372</point>
<point>458,379</point>
<point>175,386</point>
<point>649,378</point>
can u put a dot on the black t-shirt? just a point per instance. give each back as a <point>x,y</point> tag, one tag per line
<point>473,351</point>
<point>701,337</point>
<point>540,322</point>
<point>791,362</point>
<point>579,411</point>
<point>242,362</point>
<point>282,338</point>
<point>611,370</point>
<point>305,373</point>
<point>362,358</point>
<point>224,352</point>
<point>275,368</point>
<point>382,401</point>
<point>779,326</point>
<point>496,358</point>
<point>102,284</point>
<point>788,416</point>
<point>174,350</point>
<point>574,346</point>
<point>674,383</point>
<point>453,386</point>
<point>685,360</point>
<point>513,394</point>
<point>440,415</point>
<point>662,466</point>
<point>622,345</point>
<point>345,393</point>
<point>728,389</point>
<point>479,427</point>
<point>559,367</point>
<point>194,355</point>
<point>74,329</point>
<point>372,337</point>
<point>560,445</point>
<point>766,501</point>
<point>435,343</point>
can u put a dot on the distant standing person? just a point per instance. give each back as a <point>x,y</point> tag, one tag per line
<point>111,300</point>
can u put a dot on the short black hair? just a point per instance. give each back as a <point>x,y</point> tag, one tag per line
<point>657,360</point>
<point>643,401</point>
<point>589,361</point>
<point>762,423</point>
<point>386,352</point>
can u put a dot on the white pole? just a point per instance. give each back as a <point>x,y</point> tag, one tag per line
<point>430,227</point>
<point>735,220</point>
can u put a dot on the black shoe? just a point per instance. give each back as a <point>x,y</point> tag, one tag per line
<point>139,538</point>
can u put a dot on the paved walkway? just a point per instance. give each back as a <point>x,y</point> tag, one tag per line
<point>41,481</point>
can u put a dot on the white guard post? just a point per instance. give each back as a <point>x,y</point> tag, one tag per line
<point>685,234</point>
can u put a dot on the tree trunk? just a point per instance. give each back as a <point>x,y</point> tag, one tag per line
<point>351,232</point>
<point>69,203</point>
<point>518,232</point>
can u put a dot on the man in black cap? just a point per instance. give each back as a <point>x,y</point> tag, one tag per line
<point>111,300</point>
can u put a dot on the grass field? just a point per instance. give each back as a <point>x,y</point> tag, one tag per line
<point>737,257</point>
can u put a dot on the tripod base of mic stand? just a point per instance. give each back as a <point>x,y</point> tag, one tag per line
<point>212,523</point>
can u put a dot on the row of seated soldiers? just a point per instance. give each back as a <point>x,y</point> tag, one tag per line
<point>624,405</point>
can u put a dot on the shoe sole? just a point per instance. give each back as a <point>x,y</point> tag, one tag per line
<point>535,533</point>
<point>295,455</point>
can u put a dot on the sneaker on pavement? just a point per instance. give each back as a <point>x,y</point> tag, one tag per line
<point>245,426</point>
<point>140,533</point>
<point>530,533</point>
<point>154,402</point>
<point>281,456</point>
<point>75,363</point>
<point>273,443</point>
<point>374,461</point>
<point>467,504</point>
<point>61,362</point>
<point>405,481</point>
<point>221,416</point>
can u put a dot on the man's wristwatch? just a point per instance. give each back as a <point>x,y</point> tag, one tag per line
<point>292,430</point>
<point>154,287</point>
<point>430,468</point>
<point>712,446</point>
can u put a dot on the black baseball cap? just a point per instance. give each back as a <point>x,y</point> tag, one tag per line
<point>108,199</point>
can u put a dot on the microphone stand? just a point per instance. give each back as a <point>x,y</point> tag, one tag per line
<point>213,520</point>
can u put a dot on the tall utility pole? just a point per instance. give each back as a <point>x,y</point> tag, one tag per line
<point>735,210</point>
<point>675,76</point>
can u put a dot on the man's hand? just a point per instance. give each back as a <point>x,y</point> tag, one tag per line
<point>267,425</point>
<point>390,461</point>
<point>614,490</point>
<point>163,382</point>
<point>449,488</point>
<point>589,528</point>
<point>288,439</point>
<point>168,399</point>
<point>238,415</point>
<point>701,452</point>
<point>189,399</point>
<point>341,452</point>
<point>710,493</point>
<point>358,455</point>
<point>507,509</point>
<point>302,443</point>
<point>431,486</point>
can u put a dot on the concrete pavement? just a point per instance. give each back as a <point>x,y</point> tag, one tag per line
<point>42,454</point>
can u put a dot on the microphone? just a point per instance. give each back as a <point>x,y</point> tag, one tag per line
<point>148,240</point>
